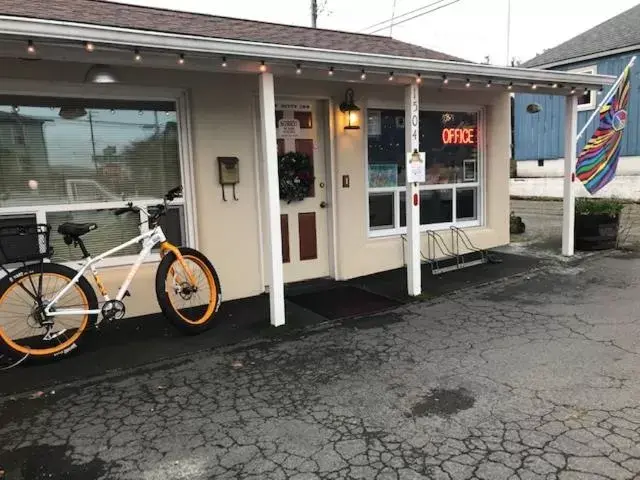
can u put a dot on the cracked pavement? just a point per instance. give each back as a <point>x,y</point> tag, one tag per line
<point>545,367</point>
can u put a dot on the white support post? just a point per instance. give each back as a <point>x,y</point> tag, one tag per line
<point>274,235</point>
<point>569,201</point>
<point>412,120</point>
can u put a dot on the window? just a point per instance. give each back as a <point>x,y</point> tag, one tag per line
<point>451,193</point>
<point>587,100</point>
<point>77,160</point>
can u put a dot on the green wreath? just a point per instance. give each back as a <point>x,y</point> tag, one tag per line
<point>295,173</point>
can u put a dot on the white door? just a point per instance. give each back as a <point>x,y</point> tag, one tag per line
<point>305,247</point>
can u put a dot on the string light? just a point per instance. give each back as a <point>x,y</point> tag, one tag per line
<point>391,77</point>
<point>263,66</point>
<point>468,84</point>
<point>510,86</point>
<point>363,75</point>
<point>573,90</point>
<point>330,72</point>
<point>445,80</point>
<point>181,59</point>
<point>586,91</point>
<point>224,62</point>
<point>418,79</point>
<point>555,85</point>
<point>534,86</point>
<point>489,83</point>
<point>31,48</point>
<point>136,55</point>
<point>298,69</point>
<point>89,47</point>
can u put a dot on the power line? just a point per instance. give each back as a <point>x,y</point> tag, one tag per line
<point>399,17</point>
<point>416,16</point>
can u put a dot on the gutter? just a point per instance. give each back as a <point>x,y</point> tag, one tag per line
<point>71,31</point>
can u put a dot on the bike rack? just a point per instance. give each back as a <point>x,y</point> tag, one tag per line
<point>438,252</point>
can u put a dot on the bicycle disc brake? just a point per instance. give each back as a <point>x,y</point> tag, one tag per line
<point>113,310</point>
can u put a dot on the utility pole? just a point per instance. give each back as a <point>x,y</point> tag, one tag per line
<point>314,13</point>
<point>393,17</point>
<point>508,30</point>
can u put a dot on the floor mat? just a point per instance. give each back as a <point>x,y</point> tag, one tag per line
<point>343,302</point>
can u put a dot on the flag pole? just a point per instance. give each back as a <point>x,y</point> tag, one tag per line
<point>606,98</point>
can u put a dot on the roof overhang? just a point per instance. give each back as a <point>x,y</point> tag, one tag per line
<point>587,58</point>
<point>24,27</point>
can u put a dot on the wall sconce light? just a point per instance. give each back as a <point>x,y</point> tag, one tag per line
<point>351,111</point>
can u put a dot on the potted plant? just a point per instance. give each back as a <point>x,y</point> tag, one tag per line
<point>597,223</point>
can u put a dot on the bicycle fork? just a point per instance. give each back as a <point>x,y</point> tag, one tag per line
<point>167,247</point>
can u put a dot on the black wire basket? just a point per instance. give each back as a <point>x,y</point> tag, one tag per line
<point>24,243</point>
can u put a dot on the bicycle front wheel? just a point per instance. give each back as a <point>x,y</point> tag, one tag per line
<point>24,327</point>
<point>188,291</point>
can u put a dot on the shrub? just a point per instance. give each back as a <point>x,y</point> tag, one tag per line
<point>599,206</point>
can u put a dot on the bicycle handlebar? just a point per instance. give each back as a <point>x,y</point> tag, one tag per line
<point>121,211</point>
<point>174,193</point>
<point>161,209</point>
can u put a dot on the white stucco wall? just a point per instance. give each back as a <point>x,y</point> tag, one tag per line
<point>222,117</point>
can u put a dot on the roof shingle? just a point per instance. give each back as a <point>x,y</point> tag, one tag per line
<point>618,32</point>
<point>113,14</point>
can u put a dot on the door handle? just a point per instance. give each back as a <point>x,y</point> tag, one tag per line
<point>323,204</point>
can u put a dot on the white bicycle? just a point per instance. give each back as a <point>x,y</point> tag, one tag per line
<point>46,307</point>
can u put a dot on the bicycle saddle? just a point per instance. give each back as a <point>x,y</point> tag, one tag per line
<point>76,229</point>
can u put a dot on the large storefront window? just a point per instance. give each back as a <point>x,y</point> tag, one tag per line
<point>450,195</point>
<point>76,160</point>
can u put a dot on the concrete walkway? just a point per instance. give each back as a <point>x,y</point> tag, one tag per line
<point>535,377</point>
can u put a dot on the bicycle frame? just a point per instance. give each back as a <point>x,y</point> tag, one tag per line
<point>149,239</point>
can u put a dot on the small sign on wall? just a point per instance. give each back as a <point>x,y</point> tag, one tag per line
<point>416,167</point>
<point>288,128</point>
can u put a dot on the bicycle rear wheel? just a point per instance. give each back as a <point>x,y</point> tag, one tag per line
<point>189,305</point>
<point>25,329</point>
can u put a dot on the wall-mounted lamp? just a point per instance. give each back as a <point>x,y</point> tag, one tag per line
<point>351,111</point>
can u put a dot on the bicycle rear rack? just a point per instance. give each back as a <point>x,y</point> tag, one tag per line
<point>439,253</point>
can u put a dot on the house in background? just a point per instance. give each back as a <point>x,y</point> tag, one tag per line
<point>23,151</point>
<point>538,138</point>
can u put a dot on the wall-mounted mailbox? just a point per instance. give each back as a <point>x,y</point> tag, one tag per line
<point>229,174</point>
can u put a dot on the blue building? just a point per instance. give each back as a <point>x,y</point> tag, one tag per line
<point>538,138</point>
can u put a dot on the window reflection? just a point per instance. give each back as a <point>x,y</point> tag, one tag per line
<point>56,151</point>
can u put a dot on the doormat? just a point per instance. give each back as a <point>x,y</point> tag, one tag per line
<point>343,302</point>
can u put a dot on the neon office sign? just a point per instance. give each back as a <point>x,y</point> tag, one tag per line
<point>459,136</point>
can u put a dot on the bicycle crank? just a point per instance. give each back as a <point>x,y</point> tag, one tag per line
<point>113,310</point>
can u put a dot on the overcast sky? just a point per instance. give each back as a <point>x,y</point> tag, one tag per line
<point>469,29</point>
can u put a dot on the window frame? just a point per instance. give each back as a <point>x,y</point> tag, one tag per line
<point>179,97</point>
<point>479,184</point>
<point>593,102</point>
